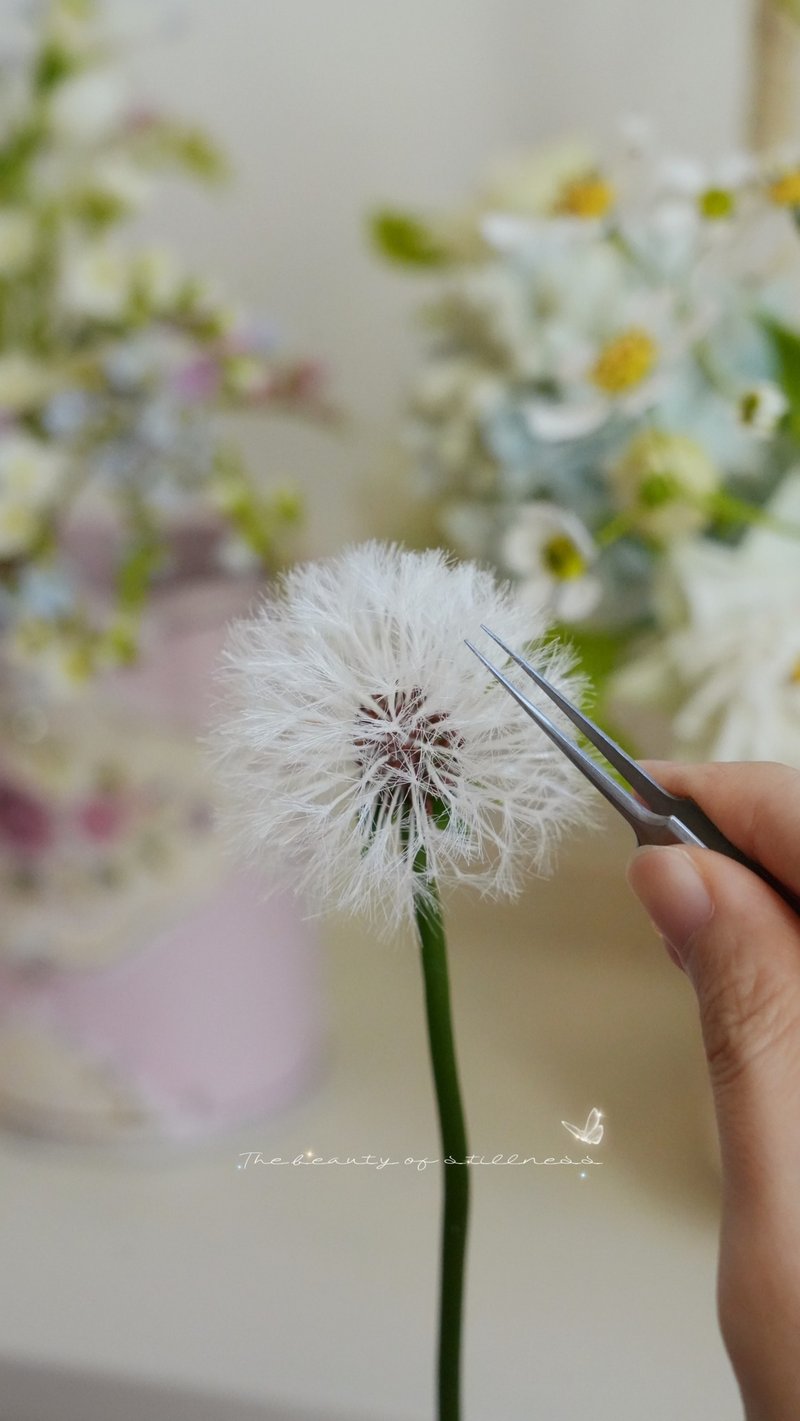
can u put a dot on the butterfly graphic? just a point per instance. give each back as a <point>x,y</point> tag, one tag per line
<point>592,1131</point>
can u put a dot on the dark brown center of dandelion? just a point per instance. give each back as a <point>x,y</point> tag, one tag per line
<point>407,750</point>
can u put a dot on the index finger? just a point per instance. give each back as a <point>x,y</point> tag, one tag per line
<point>755,803</point>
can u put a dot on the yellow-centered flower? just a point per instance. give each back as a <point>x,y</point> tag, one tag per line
<point>590,196</point>
<point>624,362</point>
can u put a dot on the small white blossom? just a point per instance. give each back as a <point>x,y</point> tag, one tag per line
<point>70,28</point>
<point>711,192</point>
<point>30,476</point>
<point>553,553</point>
<point>24,382</point>
<point>369,753</point>
<point>157,277</point>
<point>96,282</point>
<point>87,107</point>
<point>120,179</point>
<point>761,407</point>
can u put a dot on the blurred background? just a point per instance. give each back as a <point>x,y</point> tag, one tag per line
<point>419,100</point>
<point>516,277</point>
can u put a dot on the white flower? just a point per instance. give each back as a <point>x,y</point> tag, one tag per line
<point>624,366</point>
<point>761,407</point>
<point>88,106</point>
<point>531,183</point>
<point>54,657</point>
<point>368,751</point>
<point>30,477</point>
<point>553,552</point>
<point>17,241</point>
<point>665,482</point>
<point>734,664</point>
<point>484,309</point>
<point>96,282</point>
<point>157,277</point>
<point>711,193</point>
<point>29,469</point>
<point>70,28</point>
<point>24,383</point>
<point>455,385</point>
<point>119,179</point>
<point>599,338</point>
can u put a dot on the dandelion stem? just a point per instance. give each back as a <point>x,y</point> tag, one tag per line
<point>430,927</point>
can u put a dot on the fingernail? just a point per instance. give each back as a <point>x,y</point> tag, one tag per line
<point>670,888</point>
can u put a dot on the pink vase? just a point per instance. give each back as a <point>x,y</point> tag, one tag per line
<point>149,989</point>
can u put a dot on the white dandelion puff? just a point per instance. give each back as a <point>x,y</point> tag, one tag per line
<point>369,755</point>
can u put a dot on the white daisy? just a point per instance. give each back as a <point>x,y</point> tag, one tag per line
<point>369,754</point>
<point>552,553</point>
<point>710,192</point>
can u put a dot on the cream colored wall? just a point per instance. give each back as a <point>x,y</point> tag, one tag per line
<point>330,105</point>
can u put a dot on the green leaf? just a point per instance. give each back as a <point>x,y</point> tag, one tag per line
<point>199,154</point>
<point>53,66</point>
<point>405,239</point>
<point>15,156</point>
<point>786,347</point>
<point>164,143</point>
<point>137,570</point>
<point>599,652</point>
<point>98,210</point>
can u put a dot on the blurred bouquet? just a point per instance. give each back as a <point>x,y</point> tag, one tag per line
<point>115,362</point>
<point>609,410</point>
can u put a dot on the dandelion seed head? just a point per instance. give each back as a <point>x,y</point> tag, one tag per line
<point>368,754</point>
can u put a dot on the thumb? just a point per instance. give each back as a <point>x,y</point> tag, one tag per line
<point>739,945</point>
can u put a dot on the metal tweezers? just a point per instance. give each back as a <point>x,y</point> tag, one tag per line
<point>663,818</point>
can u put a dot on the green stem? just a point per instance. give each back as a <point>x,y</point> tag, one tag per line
<point>728,508</point>
<point>618,527</point>
<point>430,927</point>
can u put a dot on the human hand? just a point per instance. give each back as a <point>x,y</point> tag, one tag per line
<point>739,945</point>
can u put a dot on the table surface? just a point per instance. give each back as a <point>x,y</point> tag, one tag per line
<point>311,1290</point>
